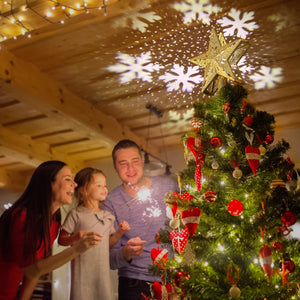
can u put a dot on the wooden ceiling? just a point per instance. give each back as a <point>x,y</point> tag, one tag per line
<point>78,80</point>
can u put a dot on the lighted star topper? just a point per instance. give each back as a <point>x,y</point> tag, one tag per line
<point>220,62</point>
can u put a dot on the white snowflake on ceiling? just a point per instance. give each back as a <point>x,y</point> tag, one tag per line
<point>137,20</point>
<point>195,10</point>
<point>238,23</point>
<point>179,121</point>
<point>266,77</point>
<point>177,78</point>
<point>244,67</point>
<point>281,20</point>
<point>135,67</point>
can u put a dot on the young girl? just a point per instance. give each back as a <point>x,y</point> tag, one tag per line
<point>90,277</point>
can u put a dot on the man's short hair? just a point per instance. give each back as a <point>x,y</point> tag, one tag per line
<point>125,144</point>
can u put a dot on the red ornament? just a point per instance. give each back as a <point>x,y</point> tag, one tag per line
<point>215,142</point>
<point>210,196</point>
<point>269,139</point>
<point>289,265</point>
<point>289,218</point>
<point>253,156</point>
<point>157,290</point>
<point>179,239</point>
<point>265,255</point>
<point>160,257</point>
<point>187,197</point>
<point>277,245</point>
<point>190,219</point>
<point>248,121</point>
<point>235,207</point>
<point>179,275</point>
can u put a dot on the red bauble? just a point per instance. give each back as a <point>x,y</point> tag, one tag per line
<point>215,142</point>
<point>210,196</point>
<point>289,265</point>
<point>269,139</point>
<point>289,218</point>
<point>235,207</point>
<point>248,121</point>
<point>178,276</point>
<point>277,245</point>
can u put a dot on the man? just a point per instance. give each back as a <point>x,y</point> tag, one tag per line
<point>139,201</point>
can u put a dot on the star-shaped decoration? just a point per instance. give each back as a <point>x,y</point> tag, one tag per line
<point>220,62</point>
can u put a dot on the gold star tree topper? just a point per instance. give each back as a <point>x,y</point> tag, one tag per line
<point>220,62</point>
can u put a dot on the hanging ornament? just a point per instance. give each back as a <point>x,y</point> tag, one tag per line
<point>186,197</point>
<point>277,182</point>
<point>265,256</point>
<point>277,245</point>
<point>210,196</point>
<point>284,230</point>
<point>215,142</point>
<point>174,223</point>
<point>173,207</point>
<point>269,139</point>
<point>235,207</point>
<point>197,123</point>
<point>237,173</point>
<point>178,280</point>
<point>226,107</point>
<point>262,150</point>
<point>248,121</point>
<point>233,274</point>
<point>253,156</point>
<point>289,218</point>
<point>215,165</point>
<point>232,143</point>
<point>289,265</point>
<point>235,292</point>
<point>190,219</point>
<point>200,157</point>
<point>188,255</point>
<point>159,257</point>
<point>161,291</point>
<point>179,239</point>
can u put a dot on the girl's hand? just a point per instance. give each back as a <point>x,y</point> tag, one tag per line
<point>124,226</point>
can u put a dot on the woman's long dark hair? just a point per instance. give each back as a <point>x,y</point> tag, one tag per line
<point>36,200</point>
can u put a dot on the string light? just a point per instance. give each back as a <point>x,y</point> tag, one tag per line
<point>11,12</point>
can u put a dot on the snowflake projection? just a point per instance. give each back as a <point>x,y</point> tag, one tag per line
<point>177,77</point>
<point>195,10</point>
<point>237,24</point>
<point>134,67</point>
<point>281,21</point>
<point>179,121</point>
<point>266,77</point>
<point>137,20</point>
<point>244,67</point>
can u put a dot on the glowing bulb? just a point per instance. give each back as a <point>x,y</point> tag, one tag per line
<point>221,247</point>
<point>276,286</point>
<point>7,205</point>
<point>256,261</point>
<point>261,239</point>
<point>20,18</point>
<point>78,5</point>
<point>246,195</point>
<point>71,11</point>
<point>29,35</point>
<point>12,20</point>
<point>222,151</point>
<point>23,31</point>
<point>48,14</point>
<point>62,22</point>
<point>63,7</point>
<point>53,7</point>
<point>231,234</point>
<point>206,264</point>
<point>242,217</point>
<point>222,182</point>
<point>233,225</point>
<point>238,239</point>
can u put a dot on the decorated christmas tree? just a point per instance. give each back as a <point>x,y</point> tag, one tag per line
<point>230,224</point>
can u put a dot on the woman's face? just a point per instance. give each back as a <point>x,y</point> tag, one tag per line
<point>63,188</point>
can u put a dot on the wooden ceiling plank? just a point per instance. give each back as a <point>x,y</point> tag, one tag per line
<point>22,148</point>
<point>26,83</point>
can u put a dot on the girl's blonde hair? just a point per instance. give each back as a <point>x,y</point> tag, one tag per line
<point>83,178</point>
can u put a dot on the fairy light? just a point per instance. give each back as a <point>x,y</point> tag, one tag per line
<point>221,247</point>
<point>48,14</point>
<point>206,264</point>
<point>255,261</point>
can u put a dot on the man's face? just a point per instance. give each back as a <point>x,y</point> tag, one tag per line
<point>129,165</point>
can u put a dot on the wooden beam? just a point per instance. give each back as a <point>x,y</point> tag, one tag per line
<point>25,82</point>
<point>30,152</point>
<point>13,181</point>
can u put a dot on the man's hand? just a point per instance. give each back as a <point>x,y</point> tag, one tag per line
<point>134,247</point>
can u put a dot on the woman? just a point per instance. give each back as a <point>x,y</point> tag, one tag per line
<point>29,228</point>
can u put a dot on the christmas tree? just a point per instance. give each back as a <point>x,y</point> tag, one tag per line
<point>230,222</point>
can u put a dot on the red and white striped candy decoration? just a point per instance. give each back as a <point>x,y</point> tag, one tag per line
<point>277,182</point>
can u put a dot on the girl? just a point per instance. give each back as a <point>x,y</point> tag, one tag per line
<point>29,228</point>
<point>90,273</point>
